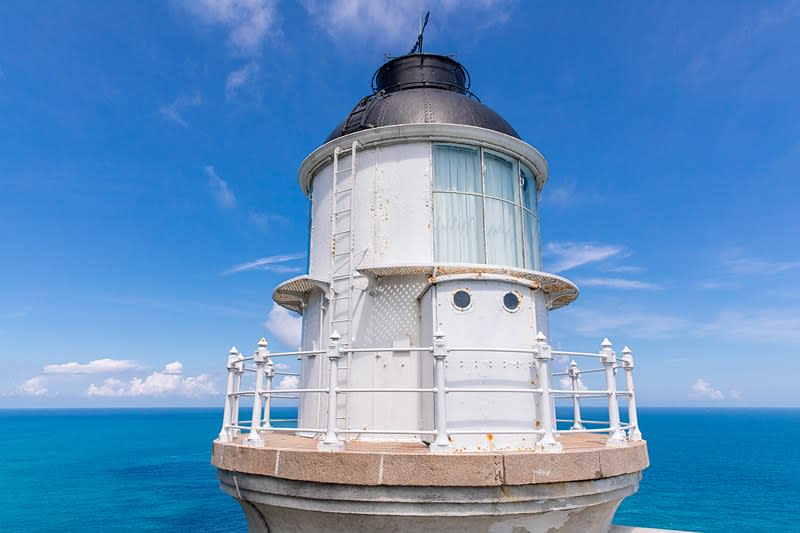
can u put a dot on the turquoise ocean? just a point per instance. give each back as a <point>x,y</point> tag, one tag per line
<point>148,470</point>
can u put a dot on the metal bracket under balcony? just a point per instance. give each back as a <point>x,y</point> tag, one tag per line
<point>291,294</point>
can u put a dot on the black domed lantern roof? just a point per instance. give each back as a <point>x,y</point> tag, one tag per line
<point>421,88</point>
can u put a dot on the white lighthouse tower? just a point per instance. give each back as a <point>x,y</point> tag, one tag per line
<point>426,396</point>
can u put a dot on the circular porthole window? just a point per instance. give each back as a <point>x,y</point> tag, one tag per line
<point>511,301</point>
<point>462,300</point>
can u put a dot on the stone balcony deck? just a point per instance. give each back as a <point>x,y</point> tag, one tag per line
<point>584,457</point>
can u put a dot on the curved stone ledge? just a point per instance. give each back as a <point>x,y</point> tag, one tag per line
<point>280,505</point>
<point>293,458</point>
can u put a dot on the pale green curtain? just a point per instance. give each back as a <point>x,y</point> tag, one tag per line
<point>528,189</point>
<point>472,228</point>
<point>533,256</point>
<point>503,234</point>
<point>499,178</point>
<point>458,235</point>
<point>456,168</point>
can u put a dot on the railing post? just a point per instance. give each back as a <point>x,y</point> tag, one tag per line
<point>331,441</point>
<point>226,433</point>
<point>260,360</point>
<point>237,388</point>
<point>270,373</point>
<point>575,376</point>
<point>543,356</point>
<point>616,437</point>
<point>633,418</point>
<point>442,442</point>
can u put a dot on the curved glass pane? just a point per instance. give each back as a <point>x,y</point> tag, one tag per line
<point>533,255</point>
<point>456,168</point>
<point>528,183</point>
<point>458,228</point>
<point>503,234</point>
<point>499,178</point>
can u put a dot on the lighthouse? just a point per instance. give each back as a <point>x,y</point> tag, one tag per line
<point>429,397</point>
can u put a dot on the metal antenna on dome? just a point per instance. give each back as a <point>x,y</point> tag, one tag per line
<point>422,24</point>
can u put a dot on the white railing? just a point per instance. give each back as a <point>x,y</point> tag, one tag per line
<point>541,353</point>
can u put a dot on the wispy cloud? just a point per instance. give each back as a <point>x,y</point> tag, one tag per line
<point>174,110</point>
<point>248,23</point>
<point>767,325</point>
<point>394,23</point>
<point>284,325</point>
<point>32,387</point>
<point>168,382</point>
<point>219,189</point>
<point>265,221</point>
<point>568,255</point>
<point>239,78</point>
<point>98,366</point>
<point>20,312</point>
<point>634,323</point>
<point>271,263</point>
<point>702,390</point>
<point>619,283</point>
<point>741,47</point>
<point>567,194</point>
<point>748,266</point>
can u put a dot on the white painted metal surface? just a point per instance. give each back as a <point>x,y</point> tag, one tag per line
<point>374,300</point>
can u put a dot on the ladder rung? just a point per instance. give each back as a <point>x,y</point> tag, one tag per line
<point>343,211</point>
<point>340,170</point>
<point>340,298</point>
<point>348,189</point>
<point>342,232</point>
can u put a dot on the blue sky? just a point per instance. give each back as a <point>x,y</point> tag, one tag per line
<point>148,153</point>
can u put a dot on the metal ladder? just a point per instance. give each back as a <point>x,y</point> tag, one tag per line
<point>340,292</point>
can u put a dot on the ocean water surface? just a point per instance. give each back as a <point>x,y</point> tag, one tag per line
<point>148,470</point>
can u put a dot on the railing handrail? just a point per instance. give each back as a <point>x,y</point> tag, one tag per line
<point>541,354</point>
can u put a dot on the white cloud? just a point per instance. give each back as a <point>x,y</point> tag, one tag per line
<point>169,381</point>
<point>619,283</point>
<point>394,23</point>
<point>735,394</point>
<point>219,189</point>
<point>174,111</point>
<point>248,22</point>
<point>566,384</point>
<point>98,366</point>
<point>33,387</point>
<point>284,325</point>
<point>239,78</point>
<point>271,263</point>
<point>289,382</point>
<point>568,255</point>
<point>702,390</point>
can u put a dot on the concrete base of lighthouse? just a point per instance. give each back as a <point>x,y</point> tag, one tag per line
<point>288,486</point>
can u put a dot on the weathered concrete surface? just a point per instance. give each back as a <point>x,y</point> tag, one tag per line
<point>585,457</point>
<point>287,485</point>
<point>278,505</point>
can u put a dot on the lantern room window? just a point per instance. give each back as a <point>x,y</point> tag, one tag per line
<point>485,208</point>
